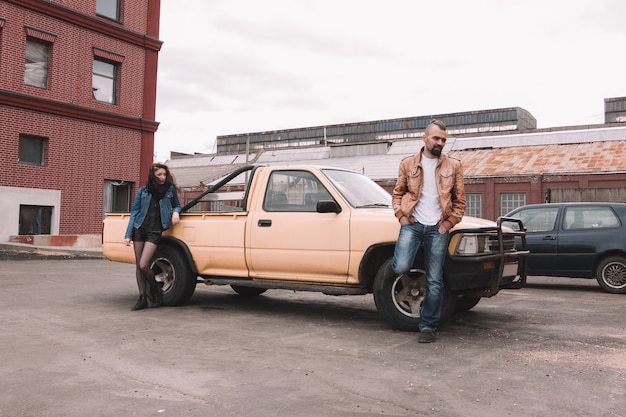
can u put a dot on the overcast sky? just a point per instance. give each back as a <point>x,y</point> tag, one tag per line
<point>240,66</point>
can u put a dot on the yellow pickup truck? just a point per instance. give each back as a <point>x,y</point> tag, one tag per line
<point>310,228</point>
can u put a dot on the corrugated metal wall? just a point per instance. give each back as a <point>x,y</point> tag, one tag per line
<point>566,195</point>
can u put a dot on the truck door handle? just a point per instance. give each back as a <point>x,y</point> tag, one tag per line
<point>549,238</point>
<point>265,223</point>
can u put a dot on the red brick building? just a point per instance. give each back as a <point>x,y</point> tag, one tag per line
<point>77,109</point>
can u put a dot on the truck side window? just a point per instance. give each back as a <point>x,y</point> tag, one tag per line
<point>229,197</point>
<point>294,191</point>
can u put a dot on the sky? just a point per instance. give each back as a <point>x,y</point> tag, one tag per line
<point>242,66</point>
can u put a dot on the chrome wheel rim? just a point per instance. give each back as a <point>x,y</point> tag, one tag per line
<point>408,292</point>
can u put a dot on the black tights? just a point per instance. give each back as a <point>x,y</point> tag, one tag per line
<point>144,251</point>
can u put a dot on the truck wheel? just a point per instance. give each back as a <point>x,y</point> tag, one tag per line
<point>248,291</point>
<point>611,274</point>
<point>398,298</point>
<point>174,275</point>
<point>465,304</point>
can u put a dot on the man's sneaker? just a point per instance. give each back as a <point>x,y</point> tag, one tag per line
<point>426,336</point>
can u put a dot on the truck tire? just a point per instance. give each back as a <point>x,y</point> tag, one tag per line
<point>248,291</point>
<point>172,271</point>
<point>398,298</point>
<point>611,274</point>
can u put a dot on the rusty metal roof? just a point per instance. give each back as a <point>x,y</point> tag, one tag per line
<point>579,158</point>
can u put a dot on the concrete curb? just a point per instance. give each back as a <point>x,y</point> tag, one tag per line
<point>20,251</point>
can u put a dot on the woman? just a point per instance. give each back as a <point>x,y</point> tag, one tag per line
<point>156,208</point>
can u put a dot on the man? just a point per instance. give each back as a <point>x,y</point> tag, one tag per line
<point>428,200</point>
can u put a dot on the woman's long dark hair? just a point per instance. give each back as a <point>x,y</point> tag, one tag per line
<point>153,186</point>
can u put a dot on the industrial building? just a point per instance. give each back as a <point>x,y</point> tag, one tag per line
<point>507,161</point>
<point>495,120</point>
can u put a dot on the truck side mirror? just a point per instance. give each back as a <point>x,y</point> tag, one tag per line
<point>328,206</point>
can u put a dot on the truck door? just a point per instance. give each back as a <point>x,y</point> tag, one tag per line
<point>290,240</point>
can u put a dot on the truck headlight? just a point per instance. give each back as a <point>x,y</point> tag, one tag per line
<point>472,244</point>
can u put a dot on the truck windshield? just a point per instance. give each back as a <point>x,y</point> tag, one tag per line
<point>357,189</point>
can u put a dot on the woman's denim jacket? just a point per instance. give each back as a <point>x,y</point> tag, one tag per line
<point>169,204</point>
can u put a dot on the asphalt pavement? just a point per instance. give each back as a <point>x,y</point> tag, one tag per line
<point>72,347</point>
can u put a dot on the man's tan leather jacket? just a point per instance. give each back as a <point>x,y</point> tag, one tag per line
<point>408,189</point>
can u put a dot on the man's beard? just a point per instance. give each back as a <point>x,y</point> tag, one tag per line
<point>436,151</point>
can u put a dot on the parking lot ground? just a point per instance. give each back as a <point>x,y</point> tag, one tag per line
<point>72,347</point>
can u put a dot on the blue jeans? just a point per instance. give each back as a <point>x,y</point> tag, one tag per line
<point>435,245</point>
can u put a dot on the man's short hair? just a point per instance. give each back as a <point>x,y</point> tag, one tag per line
<point>436,122</point>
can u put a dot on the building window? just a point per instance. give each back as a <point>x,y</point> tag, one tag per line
<point>511,201</point>
<point>35,220</point>
<point>474,206</point>
<point>116,196</point>
<point>104,81</point>
<point>108,8</point>
<point>32,150</point>
<point>2,22</point>
<point>37,62</point>
<point>195,207</point>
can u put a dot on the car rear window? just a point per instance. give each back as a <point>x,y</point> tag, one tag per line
<point>590,217</point>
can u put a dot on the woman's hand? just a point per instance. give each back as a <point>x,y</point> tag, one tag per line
<point>127,241</point>
<point>175,218</point>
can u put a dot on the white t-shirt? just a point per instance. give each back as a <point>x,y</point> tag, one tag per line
<point>428,209</point>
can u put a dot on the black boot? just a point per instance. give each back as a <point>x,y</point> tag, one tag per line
<point>141,303</point>
<point>150,296</point>
<point>157,295</point>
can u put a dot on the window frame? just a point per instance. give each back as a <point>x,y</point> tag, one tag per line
<point>106,4</point>
<point>2,22</point>
<point>474,206</point>
<point>27,140</point>
<point>41,219</point>
<point>114,79</point>
<point>117,196</point>
<point>294,190</point>
<point>511,201</point>
<point>31,40</point>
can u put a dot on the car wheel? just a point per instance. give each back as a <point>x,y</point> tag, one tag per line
<point>611,274</point>
<point>398,298</point>
<point>248,291</point>
<point>174,275</point>
<point>465,304</point>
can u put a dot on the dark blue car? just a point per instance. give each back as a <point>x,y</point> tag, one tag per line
<point>579,240</point>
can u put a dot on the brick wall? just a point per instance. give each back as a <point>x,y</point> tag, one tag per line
<point>71,63</point>
<point>133,11</point>
<point>81,154</point>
